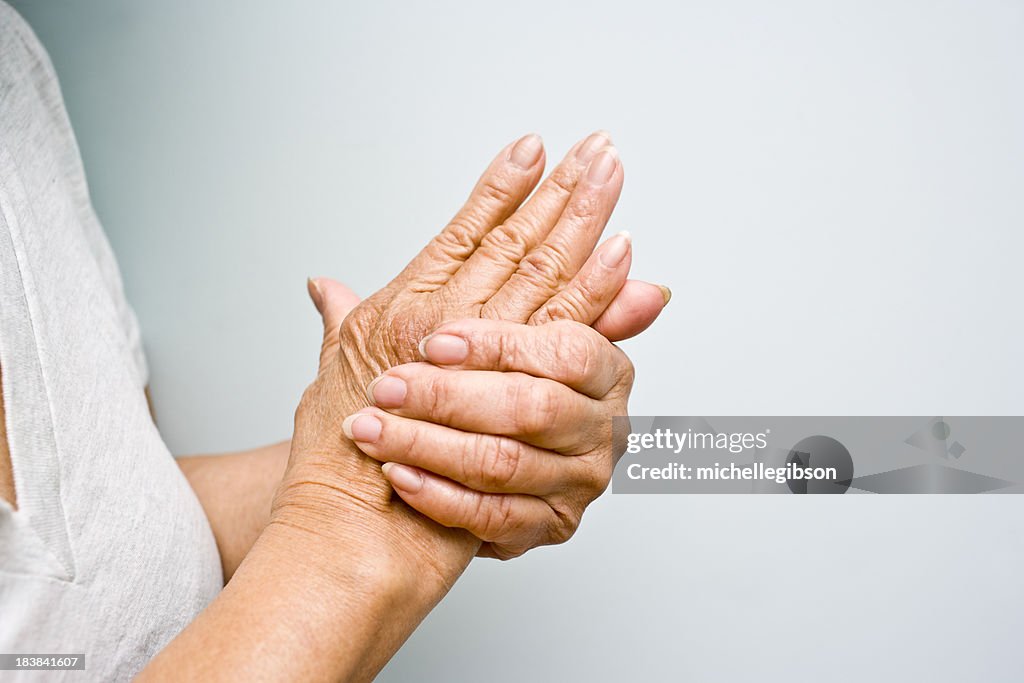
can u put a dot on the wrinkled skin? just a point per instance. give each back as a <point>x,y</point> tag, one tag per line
<point>496,259</point>
<point>509,437</point>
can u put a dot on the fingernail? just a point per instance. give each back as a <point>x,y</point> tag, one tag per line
<point>602,167</point>
<point>665,292</point>
<point>446,349</point>
<point>615,250</point>
<point>315,294</point>
<point>362,427</point>
<point>527,151</point>
<point>387,392</point>
<point>594,142</point>
<point>402,477</point>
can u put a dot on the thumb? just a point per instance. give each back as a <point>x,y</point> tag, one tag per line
<point>334,301</point>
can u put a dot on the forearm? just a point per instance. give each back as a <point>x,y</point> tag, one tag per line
<point>300,609</point>
<point>333,584</point>
<point>236,491</point>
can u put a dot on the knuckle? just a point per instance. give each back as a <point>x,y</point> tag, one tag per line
<point>504,348</point>
<point>437,397</point>
<point>576,348</point>
<point>562,526</point>
<point>515,350</point>
<point>544,266</point>
<point>412,442</point>
<point>458,239</point>
<point>473,466</point>
<point>501,464</point>
<point>562,182</point>
<point>562,533</point>
<point>536,408</point>
<point>568,306</point>
<point>584,207</point>
<point>507,240</point>
<point>361,324</point>
<point>597,477</point>
<point>494,515</point>
<point>497,189</point>
<point>592,288</point>
<point>506,553</point>
<point>552,311</point>
<point>584,347</point>
<point>627,371</point>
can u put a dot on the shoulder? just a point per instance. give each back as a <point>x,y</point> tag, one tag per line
<point>19,45</point>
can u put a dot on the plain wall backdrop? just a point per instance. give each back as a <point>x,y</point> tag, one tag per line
<point>833,190</point>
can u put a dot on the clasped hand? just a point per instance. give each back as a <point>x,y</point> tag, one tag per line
<point>482,376</point>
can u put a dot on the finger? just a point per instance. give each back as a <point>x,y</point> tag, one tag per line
<point>505,184</point>
<point>496,464</point>
<point>503,248</point>
<point>334,301</point>
<point>588,294</point>
<point>635,307</point>
<point>511,523</point>
<point>538,411</point>
<point>549,266</point>
<point>566,352</point>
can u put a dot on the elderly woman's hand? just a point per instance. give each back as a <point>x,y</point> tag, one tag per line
<point>496,259</point>
<point>344,570</point>
<point>508,434</point>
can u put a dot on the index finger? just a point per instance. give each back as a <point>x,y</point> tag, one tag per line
<point>502,188</point>
<point>567,352</point>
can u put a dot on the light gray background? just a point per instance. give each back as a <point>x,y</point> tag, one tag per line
<point>832,190</point>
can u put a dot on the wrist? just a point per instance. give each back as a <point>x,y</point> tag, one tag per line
<point>316,612</point>
<point>340,575</point>
<point>331,511</point>
<point>335,502</point>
